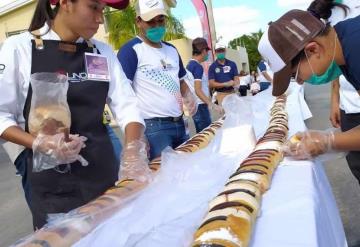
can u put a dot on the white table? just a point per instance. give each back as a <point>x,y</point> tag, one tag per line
<point>298,211</point>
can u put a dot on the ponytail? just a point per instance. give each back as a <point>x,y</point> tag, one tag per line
<point>322,8</point>
<point>44,13</point>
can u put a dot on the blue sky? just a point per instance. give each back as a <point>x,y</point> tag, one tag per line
<point>236,17</point>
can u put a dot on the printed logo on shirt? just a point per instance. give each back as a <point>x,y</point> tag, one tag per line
<point>217,70</point>
<point>77,77</point>
<point>227,69</point>
<point>2,68</point>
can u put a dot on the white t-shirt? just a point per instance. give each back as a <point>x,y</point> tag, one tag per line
<point>245,80</point>
<point>349,97</point>
<point>196,72</point>
<point>264,67</point>
<point>155,74</point>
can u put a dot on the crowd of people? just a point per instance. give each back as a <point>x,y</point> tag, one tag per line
<point>146,88</point>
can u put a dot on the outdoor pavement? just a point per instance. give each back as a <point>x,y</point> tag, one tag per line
<point>15,217</point>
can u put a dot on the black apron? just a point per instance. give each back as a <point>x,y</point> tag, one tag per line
<point>52,191</point>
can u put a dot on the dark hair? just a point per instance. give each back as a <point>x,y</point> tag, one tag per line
<point>44,13</point>
<point>196,51</point>
<point>322,8</point>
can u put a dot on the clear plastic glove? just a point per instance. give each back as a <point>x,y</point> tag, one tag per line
<point>134,162</point>
<point>190,103</point>
<point>309,144</point>
<point>216,108</point>
<point>50,151</point>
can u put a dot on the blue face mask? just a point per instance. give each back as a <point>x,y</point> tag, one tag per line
<point>332,72</point>
<point>206,57</point>
<point>220,56</point>
<point>155,34</point>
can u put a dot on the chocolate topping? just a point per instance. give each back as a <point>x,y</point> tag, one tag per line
<point>223,218</point>
<point>228,192</point>
<point>242,180</point>
<point>231,204</point>
<point>254,164</point>
<point>248,171</point>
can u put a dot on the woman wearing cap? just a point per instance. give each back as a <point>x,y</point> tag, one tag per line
<point>304,45</point>
<point>58,38</point>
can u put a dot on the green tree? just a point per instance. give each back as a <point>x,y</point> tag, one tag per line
<point>121,26</point>
<point>250,42</point>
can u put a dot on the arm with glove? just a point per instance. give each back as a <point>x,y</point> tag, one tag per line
<point>49,151</point>
<point>312,143</point>
<point>189,99</point>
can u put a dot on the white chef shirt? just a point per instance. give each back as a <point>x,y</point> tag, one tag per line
<point>15,69</point>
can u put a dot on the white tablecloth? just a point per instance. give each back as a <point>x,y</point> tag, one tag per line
<point>298,210</point>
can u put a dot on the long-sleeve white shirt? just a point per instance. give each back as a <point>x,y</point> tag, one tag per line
<point>15,70</point>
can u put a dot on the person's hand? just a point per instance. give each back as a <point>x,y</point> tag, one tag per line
<point>134,162</point>
<point>50,151</point>
<point>229,83</point>
<point>216,108</point>
<point>309,144</point>
<point>335,115</point>
<point>190,103</point>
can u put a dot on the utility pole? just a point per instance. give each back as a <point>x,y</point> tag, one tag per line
<point>211,22</point>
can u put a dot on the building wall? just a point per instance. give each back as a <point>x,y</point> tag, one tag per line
<point>16,20</point>
<point>20,18</point>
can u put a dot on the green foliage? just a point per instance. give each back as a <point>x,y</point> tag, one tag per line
<point>250,42</point>
<point>122,27</point>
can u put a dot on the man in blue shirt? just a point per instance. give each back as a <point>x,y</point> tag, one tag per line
<point>200,52</point>
<point>223,74</point>
<point>265,75</point>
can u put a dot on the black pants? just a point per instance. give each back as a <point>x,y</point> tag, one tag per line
<point>349,121</point>
<point>243,90</point>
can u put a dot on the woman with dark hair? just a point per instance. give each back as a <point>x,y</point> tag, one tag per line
<point>59,41</point>
<point>303,44</point>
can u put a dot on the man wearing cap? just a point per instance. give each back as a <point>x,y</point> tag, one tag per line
<point>223,74</point>
<point>265,74</point>
<point>156,71</point>
<point>304,45</point>
<point>200,53</point>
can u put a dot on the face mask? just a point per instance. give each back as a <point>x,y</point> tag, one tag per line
<point>220,56</point>
<point>155,34</point>
<point>332,72</point>
<point>206,57</point>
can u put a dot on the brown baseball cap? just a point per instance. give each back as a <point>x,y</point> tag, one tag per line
<point>283,40</point>
<point>199,44</point>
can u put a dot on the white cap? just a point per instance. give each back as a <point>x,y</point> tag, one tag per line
<point>220,46</point>
<point>149,9</point>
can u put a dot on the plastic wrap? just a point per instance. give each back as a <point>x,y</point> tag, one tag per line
<point>169,209</point>
<point>49,111</point>
<point>49,121</point>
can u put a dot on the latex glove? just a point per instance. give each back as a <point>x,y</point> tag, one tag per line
<point>190,103</point>
<point>134,162</point>
<point>309,144</point>
<point>216,108</point>
<point>50,151</point>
